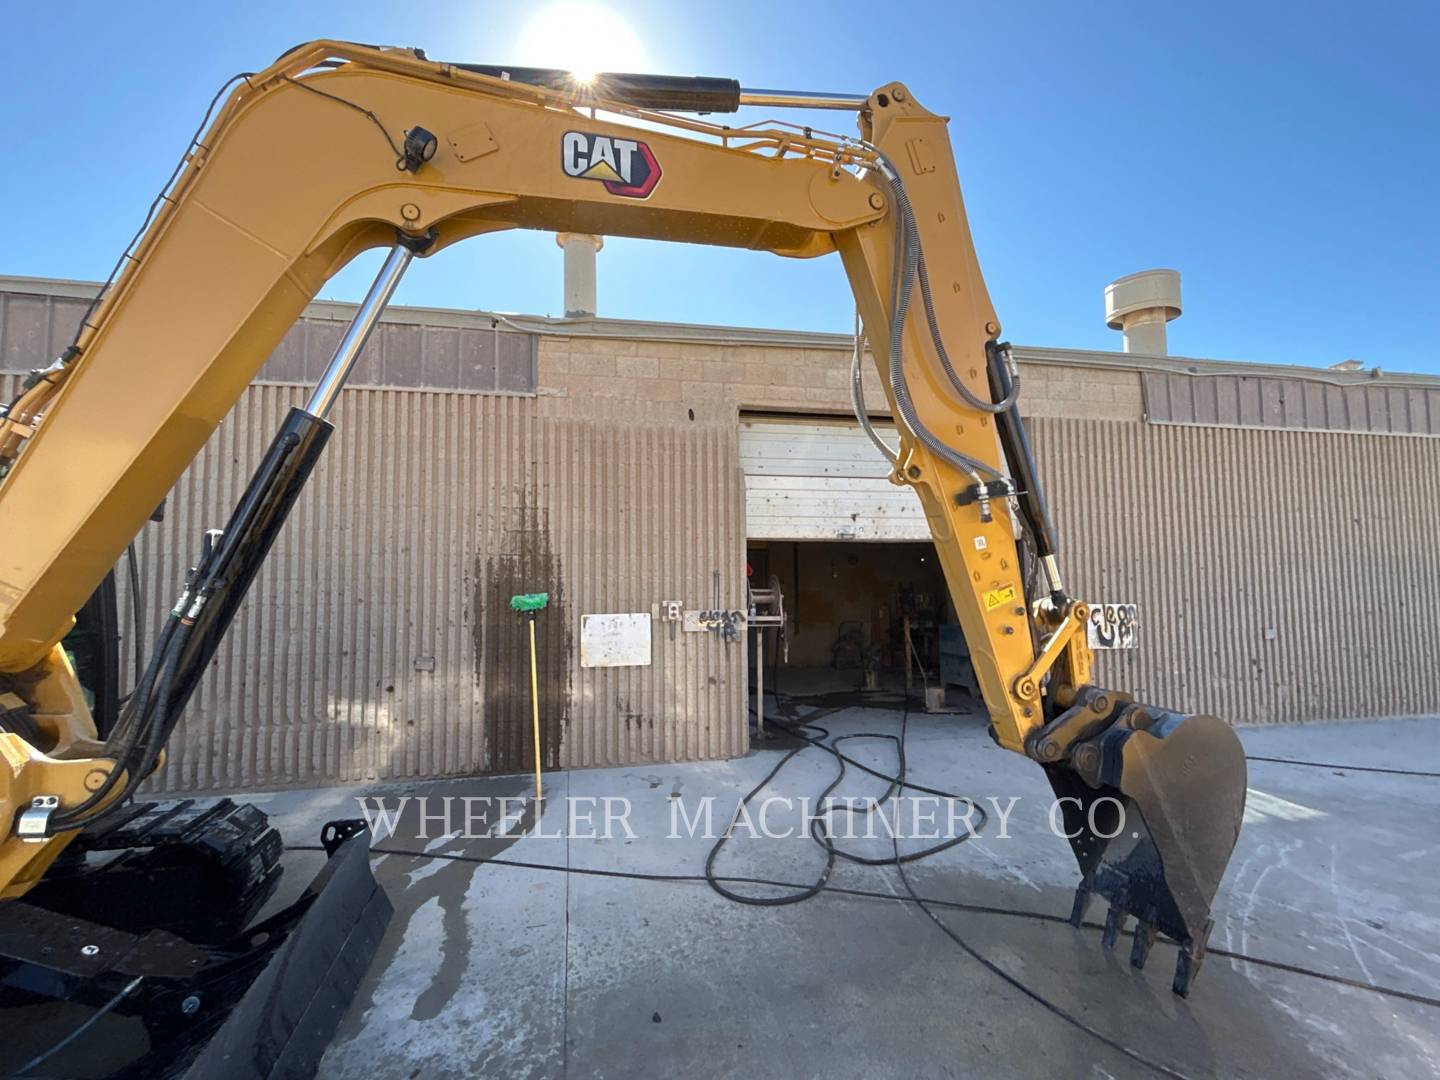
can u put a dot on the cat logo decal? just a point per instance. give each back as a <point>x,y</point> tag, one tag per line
<point>625,166</point>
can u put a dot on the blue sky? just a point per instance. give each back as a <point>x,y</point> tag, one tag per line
<point>1282,156</point>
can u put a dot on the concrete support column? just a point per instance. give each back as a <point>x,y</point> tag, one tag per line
<point>580,249</point>
<point>1139,305</point>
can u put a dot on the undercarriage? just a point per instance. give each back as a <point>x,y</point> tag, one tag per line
<point>153,948</point>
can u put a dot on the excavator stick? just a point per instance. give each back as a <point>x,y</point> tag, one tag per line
<point>1152,799</point>
<point>1152,807</point>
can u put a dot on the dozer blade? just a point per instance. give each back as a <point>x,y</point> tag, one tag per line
<point>280,1027</point>
<point>1152,806</point>
<point>167,995</point>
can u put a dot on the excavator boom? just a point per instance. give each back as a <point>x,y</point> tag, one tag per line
<point>338,148</point>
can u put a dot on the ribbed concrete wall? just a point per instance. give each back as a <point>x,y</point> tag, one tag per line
<point>378,643</point>
<point>1281,576</point>
<point>408,547</point>
<point>395,653</point>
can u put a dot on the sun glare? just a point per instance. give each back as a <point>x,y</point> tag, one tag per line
<point>583,39</point>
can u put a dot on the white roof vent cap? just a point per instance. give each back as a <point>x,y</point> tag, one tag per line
<point>1139,305</point>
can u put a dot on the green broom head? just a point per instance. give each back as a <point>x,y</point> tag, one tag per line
<point>529,601</point>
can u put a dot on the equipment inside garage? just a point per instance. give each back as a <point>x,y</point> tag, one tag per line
<point>863,615</point>
<point>853,557</point>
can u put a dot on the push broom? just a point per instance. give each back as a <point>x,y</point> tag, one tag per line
<point>529,604</point>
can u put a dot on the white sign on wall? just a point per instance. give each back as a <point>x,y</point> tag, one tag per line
<point>615,640</point>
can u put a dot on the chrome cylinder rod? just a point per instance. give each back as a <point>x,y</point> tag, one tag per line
<point>1052,574</point>
<point>322,398</point>
<point>802,99</point>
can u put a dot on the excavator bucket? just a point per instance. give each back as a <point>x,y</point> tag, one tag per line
<point>1152,807</point>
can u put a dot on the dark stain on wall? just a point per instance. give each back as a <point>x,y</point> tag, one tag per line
<point>634,721</point>
<point>525,563</point>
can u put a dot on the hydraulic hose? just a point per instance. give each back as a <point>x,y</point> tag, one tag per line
<point>131,736</point>
<point>204,610</point>
<point>914,266</point>
<point>857,399</point>
<point>909,266</point>
<point>908,248</point>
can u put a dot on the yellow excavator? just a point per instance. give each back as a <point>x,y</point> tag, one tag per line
<point>114,905</point>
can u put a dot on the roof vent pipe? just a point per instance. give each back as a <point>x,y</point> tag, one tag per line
<point>580,249</point>
<point>1140,305</point>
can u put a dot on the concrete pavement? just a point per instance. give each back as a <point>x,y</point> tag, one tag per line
<point>511,972</point>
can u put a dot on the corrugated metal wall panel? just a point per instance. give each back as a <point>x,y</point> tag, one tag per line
<point>377,641</point>
<point>486,358</point>
<point>1292,404</point>
<point>33,329</point>
<point>489,360</point>
<point>1225,535</point>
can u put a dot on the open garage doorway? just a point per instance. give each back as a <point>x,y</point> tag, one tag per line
<point>862,617</point>
<point>866,605</point>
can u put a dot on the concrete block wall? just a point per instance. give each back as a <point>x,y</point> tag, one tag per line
<point>749,376</point>
<point>789,379</point>
<point>1080,393</point>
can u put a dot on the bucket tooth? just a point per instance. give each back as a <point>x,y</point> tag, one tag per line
<point>1140,947</point>
<point>1083,895</point>
<point>1187,964</point>
<point>1114,924</point>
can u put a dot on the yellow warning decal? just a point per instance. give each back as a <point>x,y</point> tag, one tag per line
<point>995,597</point>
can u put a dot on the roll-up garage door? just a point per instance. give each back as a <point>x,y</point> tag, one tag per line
<point>819,480</point>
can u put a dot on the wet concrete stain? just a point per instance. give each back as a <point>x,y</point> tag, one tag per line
<point>525,563</point>
<point>411,882</point>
